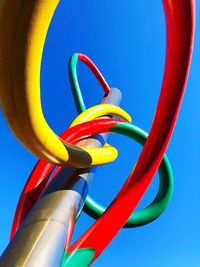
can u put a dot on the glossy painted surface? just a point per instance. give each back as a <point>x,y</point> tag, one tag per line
<point>182,65</point>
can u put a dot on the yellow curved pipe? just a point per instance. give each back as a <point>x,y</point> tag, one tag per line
<point>23,28</point>
<point>109,153</point>
<point>98,111</point>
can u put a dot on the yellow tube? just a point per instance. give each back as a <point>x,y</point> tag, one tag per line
<point>108,152</point>
<point>23,28</point>
<point>101,110</point>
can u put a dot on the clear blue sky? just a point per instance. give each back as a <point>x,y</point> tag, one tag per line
<point>126,39</point>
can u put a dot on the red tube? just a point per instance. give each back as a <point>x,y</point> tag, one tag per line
<point>95,71</point>
<point>180,24</point>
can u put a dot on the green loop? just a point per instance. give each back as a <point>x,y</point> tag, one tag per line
<point>161,201</point>
<point>163,197</point>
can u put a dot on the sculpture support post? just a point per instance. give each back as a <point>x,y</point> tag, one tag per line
<point>41,239</point>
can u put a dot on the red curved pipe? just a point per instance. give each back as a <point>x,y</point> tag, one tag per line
<point>180,24</point>
<point>95,71</point>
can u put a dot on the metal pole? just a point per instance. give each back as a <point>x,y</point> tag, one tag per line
<point>41,239</point>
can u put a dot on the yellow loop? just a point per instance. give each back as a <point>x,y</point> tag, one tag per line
<point>99,111</point>
<point>109,153</point>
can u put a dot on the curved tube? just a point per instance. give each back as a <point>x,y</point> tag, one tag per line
<point>21,46</point>
<point>180,22</point>
<point>108,152</point>
<point>23,28</point>
<point>162,199</point>
<point>78,98</point>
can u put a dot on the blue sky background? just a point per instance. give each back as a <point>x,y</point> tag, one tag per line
<point>126,39</point>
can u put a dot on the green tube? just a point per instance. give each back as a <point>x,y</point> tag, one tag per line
<point>163,197</point>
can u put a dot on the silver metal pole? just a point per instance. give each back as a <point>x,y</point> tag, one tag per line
<point>41,239</point>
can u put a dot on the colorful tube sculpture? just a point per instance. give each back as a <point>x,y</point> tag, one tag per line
<point>51,201</point>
